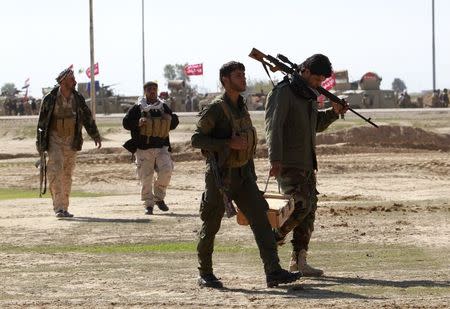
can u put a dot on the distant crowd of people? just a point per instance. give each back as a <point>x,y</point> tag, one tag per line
<point>190,103</point>
<point>18,107</point>
<point>439,99</point>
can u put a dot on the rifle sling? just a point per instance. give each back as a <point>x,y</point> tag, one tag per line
<point>267,71</point>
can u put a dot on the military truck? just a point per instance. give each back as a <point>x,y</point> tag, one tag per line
<point>365,93</point>
<point>106,101</point>
<point>207,98</point>
<point>177,95</point>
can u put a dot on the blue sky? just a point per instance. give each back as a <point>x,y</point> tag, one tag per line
<point>391,38</point>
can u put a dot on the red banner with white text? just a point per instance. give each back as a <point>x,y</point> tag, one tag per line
<point>194,69</point>
<point>328,84</point>
<point>96,70</point>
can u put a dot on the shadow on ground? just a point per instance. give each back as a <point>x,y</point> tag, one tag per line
<point>105,220</point>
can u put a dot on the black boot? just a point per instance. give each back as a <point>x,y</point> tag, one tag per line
<point>209,281</point>
<point>281,276</point>
<point>149,210</point>
<point>67,214</point>
<point>59,213</point>
<point>162,206</point>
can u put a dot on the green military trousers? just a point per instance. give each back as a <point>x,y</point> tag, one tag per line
<point>302,185</point>
<point>245,193</point>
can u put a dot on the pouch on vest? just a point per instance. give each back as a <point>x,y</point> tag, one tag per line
<point>156,127</point>
<point>241,127</point>
<point>64,127</point>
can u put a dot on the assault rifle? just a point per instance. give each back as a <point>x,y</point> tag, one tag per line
<point>283,64</point>
<point>229,207</point>
<point>42,165</point>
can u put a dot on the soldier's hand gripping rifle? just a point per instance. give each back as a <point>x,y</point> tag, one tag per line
<point>279,64</point>
<point>229,207</point>
<point>42,165</point>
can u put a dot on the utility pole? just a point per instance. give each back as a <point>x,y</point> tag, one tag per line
<point>91,35</point>
<point>143,46</point>
<point>433,47</point>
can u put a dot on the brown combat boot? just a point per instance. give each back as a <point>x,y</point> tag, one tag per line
<point>298,263</point>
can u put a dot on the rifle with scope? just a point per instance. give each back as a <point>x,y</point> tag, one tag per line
<point>283,64</point>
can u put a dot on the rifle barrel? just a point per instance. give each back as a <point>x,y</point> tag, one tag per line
<point>342,102</point>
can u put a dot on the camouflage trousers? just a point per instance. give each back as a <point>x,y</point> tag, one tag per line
<point>302,185</point>
<point>147,162</point>
<point>60,166</point>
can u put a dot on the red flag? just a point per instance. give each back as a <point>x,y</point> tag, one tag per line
<point>194,69</point>
<point>96,70</point>
<point>328,84</point>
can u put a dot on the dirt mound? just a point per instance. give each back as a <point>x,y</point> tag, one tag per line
<point>388,136</point>
<point>355,140</point>
<point>7,156</point>
<point>180,152</point>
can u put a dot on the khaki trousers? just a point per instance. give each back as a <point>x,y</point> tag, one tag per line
<point>60,166</point>
<point>147,162</point>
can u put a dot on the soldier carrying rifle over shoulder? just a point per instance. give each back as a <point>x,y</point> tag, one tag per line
<point>292,120</point>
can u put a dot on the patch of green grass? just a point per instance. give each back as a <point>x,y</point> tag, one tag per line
<point>25,164</point>
<point>13,194</point>
<point>336,256</point>
<point>366,256</point>
<point>164,247</point>
<point>352,269</point>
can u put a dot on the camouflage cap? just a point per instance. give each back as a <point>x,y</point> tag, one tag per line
<point>150,83</point>
<point>63,74</point>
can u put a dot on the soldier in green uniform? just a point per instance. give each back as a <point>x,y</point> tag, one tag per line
<point>292,119</point>
<point>62,116</point>
<point>226,131</point>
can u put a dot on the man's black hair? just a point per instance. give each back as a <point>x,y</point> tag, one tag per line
<point>229,67</point>
<point>318,64</point>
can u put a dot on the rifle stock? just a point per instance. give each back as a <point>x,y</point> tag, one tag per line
<point>275,65</point>
<point>42,165</point>
<point>264,59</point>
<point>230,210</point>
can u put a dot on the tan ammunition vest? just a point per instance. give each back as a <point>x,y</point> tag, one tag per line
<point>156,127</point>
<point>242,127</point>
<point>63,120</point>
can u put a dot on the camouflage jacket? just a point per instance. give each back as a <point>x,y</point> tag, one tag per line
<point>214,130</point>
<point>83,118</point>
<point>291,124</point>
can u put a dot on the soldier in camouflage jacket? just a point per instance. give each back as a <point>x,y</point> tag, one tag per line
<point>292,120</point>
<point>59,132</point>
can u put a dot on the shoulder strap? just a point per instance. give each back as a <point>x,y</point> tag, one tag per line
<point>227,113</point>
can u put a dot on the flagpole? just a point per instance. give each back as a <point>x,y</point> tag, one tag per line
<point>91,43</point>
<point>433,46</point>
<point>203,82</point>
<point>143,46</point>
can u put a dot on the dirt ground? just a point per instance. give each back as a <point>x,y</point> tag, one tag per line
<point>382,231</point>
